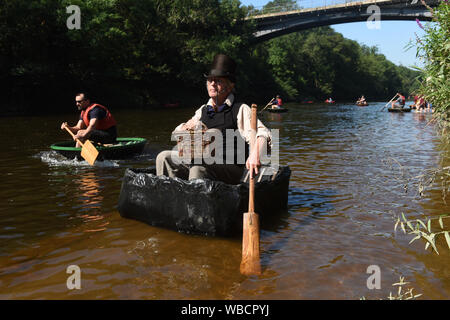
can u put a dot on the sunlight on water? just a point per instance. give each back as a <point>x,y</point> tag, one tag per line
<point>54,159</point>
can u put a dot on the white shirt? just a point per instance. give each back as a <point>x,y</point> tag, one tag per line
<point>243,121</point>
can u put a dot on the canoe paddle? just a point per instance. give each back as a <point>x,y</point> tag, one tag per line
<point>267,105</point>
<point>88,151</point>
<point>389,102</point>
<point>250,263</point>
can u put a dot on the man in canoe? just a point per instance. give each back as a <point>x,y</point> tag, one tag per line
<point>222,111</point>
<point>420,104</point>
<point>277,103</point>
<point>400,102</point>
<point>96,123</point>
<point>361,100</point>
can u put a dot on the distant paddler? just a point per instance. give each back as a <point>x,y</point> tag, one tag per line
<point>96,122</point>
<point>361,101</point>
<point>277,103</point>
<point>400,102</point>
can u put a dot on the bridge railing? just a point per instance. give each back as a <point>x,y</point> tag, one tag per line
<point>304,4</point>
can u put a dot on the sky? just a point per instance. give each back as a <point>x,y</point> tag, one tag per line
<point>391,38</point>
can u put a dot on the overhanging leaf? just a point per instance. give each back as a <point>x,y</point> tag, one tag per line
<point>430,240</point>
<point>422,223</point>
<point>447,238</point>
<point>414,239</point>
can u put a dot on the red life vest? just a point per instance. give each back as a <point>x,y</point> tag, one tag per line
<point>403,99</point>
<point>279,102</point>
<point>102,124</point>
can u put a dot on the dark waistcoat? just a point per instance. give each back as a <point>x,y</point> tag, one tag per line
<point>227,119</point>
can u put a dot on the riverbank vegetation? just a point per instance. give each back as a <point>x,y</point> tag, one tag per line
<point>434,49</point>
<point>151,52</point>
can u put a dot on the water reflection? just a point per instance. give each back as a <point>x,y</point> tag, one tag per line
<point>420,117</point>
<point>88,192</point>
<point>276,117</point>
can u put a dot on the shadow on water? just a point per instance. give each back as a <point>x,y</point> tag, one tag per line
<point>305,207</point>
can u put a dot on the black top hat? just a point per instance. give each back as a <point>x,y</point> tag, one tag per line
<point>222,66</point>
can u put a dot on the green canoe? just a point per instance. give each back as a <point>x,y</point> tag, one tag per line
<point>124,148</point>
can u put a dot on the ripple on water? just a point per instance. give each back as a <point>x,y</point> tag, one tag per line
<point>52,158</point>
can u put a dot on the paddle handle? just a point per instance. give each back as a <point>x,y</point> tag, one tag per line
<point>250,263</point>
<point>389,101</point>
<point>251,196</point>
<point>71,133</point>
<point>267,104</point>
<point>392,99</point>
<point>253,145</point>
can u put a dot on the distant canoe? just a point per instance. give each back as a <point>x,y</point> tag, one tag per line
<point>277,110</point>
<point>365,104</point>
<point>200,206</point>
<point>399,109</point>
<point>124,148</point>
<point>327,101</point>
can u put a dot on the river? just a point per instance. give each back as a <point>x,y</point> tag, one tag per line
<point>353,172</point>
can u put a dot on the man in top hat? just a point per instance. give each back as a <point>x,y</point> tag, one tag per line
<point>222,112</point>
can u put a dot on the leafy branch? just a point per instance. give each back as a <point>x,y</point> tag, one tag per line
<point>407,295</point>
<point>422,230</point>
<point>401,295</point>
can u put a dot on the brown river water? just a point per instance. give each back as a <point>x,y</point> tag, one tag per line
<point>352,170</point>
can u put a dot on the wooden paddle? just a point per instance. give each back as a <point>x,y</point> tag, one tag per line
<point>267,105</point>
<point>88,151</point>
<point>250,263</point>
<point>389,102</point>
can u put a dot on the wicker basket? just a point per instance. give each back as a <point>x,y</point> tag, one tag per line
<point>194,143</point>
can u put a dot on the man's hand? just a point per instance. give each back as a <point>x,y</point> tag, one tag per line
<point>191,124</point>
<point>63,125</point>
<point>81,134</point>
<point>253,163</point>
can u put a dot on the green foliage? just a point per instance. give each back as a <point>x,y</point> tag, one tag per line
<point>280,6</point>
<point>423,230</point>
<point>124,48</point>
<point>401,293</point>
<point>149,52</point>
<point>434,48</point>
<point>320,63</point>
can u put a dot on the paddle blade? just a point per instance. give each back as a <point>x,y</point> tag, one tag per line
<point>89,152</point>
<point>250,263</point>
